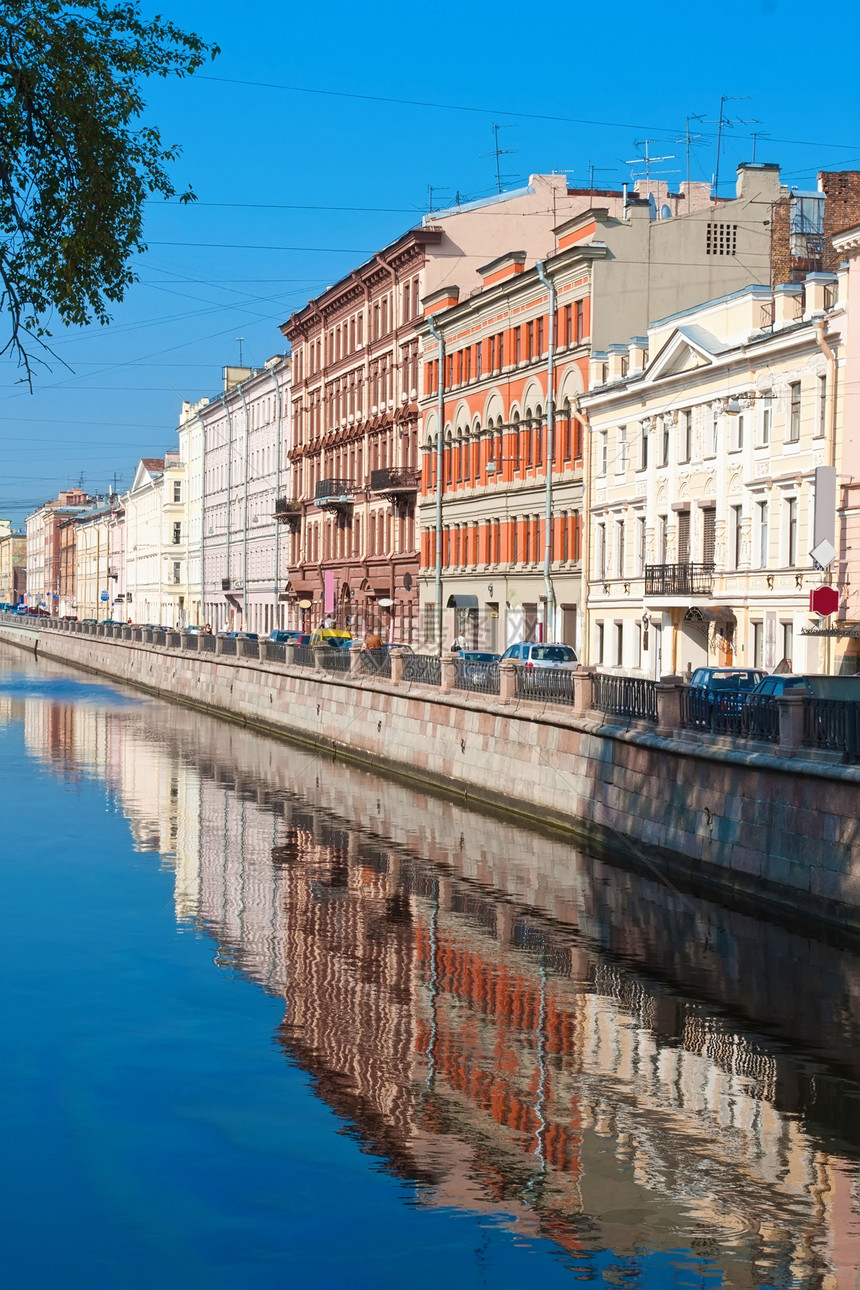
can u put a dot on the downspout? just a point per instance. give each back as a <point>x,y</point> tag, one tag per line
<point>277,493</point>
<point>550,625</point>
<point>202,519</point>
<point>440,442</point>
<point>229,488</point>
<point>245,517</point>
<point>584,650</point>
<point>818,326</point>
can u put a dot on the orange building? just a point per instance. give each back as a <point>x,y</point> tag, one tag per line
<point>507,498</point>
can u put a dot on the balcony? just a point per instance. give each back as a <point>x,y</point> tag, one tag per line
<point>287,512</point>
<point>395,481</point>
<point>225,584</point>
<point>335,494</point>
<point>679,579</point>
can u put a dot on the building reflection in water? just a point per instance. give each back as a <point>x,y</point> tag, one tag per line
<point>515,1027</point>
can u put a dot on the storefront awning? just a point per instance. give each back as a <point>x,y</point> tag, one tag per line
<point>462,602</point>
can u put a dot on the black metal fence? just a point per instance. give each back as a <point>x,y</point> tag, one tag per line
<point>375,662</point>
<point>228,645</point>
<point>679,579</point>
<point>304,656</point>
<point>833,725</point>
<point>632,697</point>
<point>207,643</point>
<point>422,669</point>
<point>336,659</point>
<point>740,715</point>
<point>477,676</point>
<point>545,684</point>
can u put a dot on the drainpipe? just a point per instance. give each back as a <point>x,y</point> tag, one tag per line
<point>818,326</point>
<point>277,490</point>
<point>229,487</point>
<point>440,443</point>
<point>550,451</point>
<point>585,540</point>
<point>202,516</point>
<point>245,518</point>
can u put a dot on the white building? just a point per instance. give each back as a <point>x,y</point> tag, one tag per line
<point>246,442</point>
<point>711,477</point>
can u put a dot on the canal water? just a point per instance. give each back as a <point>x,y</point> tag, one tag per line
<point>271,1021</point>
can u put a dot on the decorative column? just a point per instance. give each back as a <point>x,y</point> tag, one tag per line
<point>669,714</point>
<point>448,672</point>
<point>583,691</point>
<point>507,680</point>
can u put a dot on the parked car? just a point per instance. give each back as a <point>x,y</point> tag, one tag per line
<point>783,683</point>
<point>713,681</point>
<point>473,668</point>
<point>331,636</point>
<point>540,654</point>
<point>283,636</point>
<point>239,636</point>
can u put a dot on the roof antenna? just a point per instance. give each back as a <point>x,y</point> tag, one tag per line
<point>240,339</point>
<point>500,152</point>
<point>431,189</point>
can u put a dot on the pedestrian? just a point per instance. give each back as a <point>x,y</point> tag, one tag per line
<point>459,643</point>
<point>372,641</point>
<point>207,629</point>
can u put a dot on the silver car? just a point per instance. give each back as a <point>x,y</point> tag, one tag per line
<point>539,654</point>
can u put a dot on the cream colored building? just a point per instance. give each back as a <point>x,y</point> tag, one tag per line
<point>711,477</point>
<point>94,559</point>
<point>155,550</point>
<point>13,564</point>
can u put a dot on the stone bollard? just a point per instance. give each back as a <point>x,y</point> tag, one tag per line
<point>355,650</point>
<point>507,680</point>
<point>669,715</point>
<point>319,657</point>
<point>219,644</point>
<point>583,691</point>
<point>791,714</point>
<point>448,672</point>
<point>396,655</point>
<point>290,653</point>
<point>187,640</point>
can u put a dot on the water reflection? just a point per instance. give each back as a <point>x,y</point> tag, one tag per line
<point>517,1028</point>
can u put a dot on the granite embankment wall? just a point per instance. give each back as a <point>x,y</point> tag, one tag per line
<point>778,832</point>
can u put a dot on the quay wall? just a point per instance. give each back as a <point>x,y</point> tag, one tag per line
<point>775,832</point>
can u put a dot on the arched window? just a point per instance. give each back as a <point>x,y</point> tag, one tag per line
<point>529,438</point>
<point>517,444</point>
<point>449,459</point>
<point>565,431</point>
<point>459,455</point>
<point>538,435</point>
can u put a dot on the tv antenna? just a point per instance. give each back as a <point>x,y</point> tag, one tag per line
<point>241,340</point>
<point>755,135</point>
<point>500,152</point>
<point>597,170</point>
<point>690,139</point>
<point>431,189</point>
<point>725,123</point>
<point>648,161</point>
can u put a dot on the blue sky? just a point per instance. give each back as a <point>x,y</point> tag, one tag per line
<point>328,176</point>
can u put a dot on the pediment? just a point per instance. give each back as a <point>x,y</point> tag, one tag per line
<point>686,350</point>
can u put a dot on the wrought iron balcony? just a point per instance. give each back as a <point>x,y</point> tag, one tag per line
<point>287,512</point>
<point>334,493</point>
<point>225,584</point>
<point>395,480</point>
<point>679,579</point>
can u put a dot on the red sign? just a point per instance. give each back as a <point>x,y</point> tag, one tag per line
<point>823,601</point>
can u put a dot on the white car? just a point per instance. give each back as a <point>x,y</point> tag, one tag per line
<point>539,654</point>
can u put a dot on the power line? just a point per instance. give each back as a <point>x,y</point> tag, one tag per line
<point>490,111</point>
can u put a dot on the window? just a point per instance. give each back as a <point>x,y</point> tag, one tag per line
<point>794,412</point>
<point>621,464</point>
<point>766,417</point>
<point>177,491</point>
<point>619,549</point>
<point>177,534</point>
<point>664,441</point>
<point>176,571</point>
<point>721,239</point>
<point>515,529</point>
<point>791,517</point>
<point>579,320</point>
<point>662,538</point>
<point>643,450</point>
<point>739,431</point>
<point>821,420</point>
<point>686,435</point>
<point>599,642</point>
<point>640,544</point>
<point>737,520</point>
<point>565,537</point>
<point>602,453</point>
<point>709,525</point>
<point>516,345</point>
<point>758,644</point>
<point>601,550</point>
<point>787,640</point>
<point>762,535</point>
<point>683,537</point>
<point>527,544</point>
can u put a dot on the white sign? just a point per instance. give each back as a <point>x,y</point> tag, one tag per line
<point>824,554</point>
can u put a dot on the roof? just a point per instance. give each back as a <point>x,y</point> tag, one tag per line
<point>152,464</point>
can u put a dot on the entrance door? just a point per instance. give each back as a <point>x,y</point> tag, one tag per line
<point>568,625</point>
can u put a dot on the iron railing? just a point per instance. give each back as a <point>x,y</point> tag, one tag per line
<point>422,669</point>
<point>477,676</point>
<point>329,488</point>
<point>304,656</point>
<point>741,715</point>
<point>679,579</point>
<point>335,659</point>
<point>395,479</point>
<point>273,651</point>
<point>249,649</point>
<point>632,697</point>
<point>833,725</point>
<point>207,643</point>
<point>286,509</point>
<point>375,662</point>
<point>544,684</point>
<point>228,645</point>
